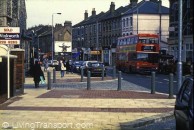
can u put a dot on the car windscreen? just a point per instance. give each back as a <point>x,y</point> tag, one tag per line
<point>96,64</point>
<point>78,63</point>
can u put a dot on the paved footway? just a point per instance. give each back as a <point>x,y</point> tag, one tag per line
<point>82,109</point>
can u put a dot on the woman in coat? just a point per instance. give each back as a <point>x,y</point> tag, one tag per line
<point>37,73</point>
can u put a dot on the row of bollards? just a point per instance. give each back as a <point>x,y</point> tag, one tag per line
<point>153,78</point>
<point>88,77</point>
<point>171,84</point>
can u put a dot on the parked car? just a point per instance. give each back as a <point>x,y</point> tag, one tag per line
<point>76,66</point>
<point>184,106</point>
<point>85,64</point>
<point>94,67</point>
<point>54,63</point>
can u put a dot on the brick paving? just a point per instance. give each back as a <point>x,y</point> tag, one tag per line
<point>3,98</point>
<point>101,94</point>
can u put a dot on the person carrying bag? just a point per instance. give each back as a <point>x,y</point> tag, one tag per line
<point>63,68</point>
<point>37,74</point>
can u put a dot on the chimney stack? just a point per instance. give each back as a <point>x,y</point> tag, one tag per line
<point>133,3</point>
<point>93,12</point>
<point>86,15</point>
<point>112,7</point>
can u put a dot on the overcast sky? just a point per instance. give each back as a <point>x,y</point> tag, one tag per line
<point>40,11</point>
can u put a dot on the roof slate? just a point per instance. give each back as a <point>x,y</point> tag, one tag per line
<point>144,7</point>
<point>147,7</point>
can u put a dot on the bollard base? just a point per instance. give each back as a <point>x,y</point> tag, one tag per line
<point>118,89</point>
<point>171,97</point>
<point>88,88</point>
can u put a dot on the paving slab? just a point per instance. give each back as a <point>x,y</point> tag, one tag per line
<point>77,108</point>
<point>111,111</point>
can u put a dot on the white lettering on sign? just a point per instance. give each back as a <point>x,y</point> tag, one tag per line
<point>9,36</point>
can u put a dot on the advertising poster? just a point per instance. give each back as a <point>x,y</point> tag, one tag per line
<point>63,46</point>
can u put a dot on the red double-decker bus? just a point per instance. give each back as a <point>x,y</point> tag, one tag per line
<point>138,53</point>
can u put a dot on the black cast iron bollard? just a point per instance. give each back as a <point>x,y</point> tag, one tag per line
<point>153,83</point>
<point>54,76</point>
<point>88,81</point>
<point>103,72</point>
<point>82,74</point>
<point>119,81</point>
<point>114,72</point>
<point>170,85</point>
<point>49,80</point>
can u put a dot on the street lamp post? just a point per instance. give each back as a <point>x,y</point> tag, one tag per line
<point>38,47</point>
<point>53,35</point>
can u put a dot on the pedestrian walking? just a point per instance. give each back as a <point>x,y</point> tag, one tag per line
<point>45,64</point>
<point>62,68</point>
<point>37,73</point>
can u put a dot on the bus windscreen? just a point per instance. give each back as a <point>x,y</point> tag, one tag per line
<point>148,40</point>
<point>148,57</point>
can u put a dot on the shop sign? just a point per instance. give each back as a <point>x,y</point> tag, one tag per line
<point>9,35</point>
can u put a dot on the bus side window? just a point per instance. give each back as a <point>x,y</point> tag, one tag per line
<point>125,41</point>
<point>128,40</point>
<point>152,41</point>
<point>147,41</point>
<point>142,40</point>
<point>132,40</point>
<point>136,39</point>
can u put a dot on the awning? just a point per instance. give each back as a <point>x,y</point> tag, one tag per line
<point>76,54</point>
<point>95,52</point>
